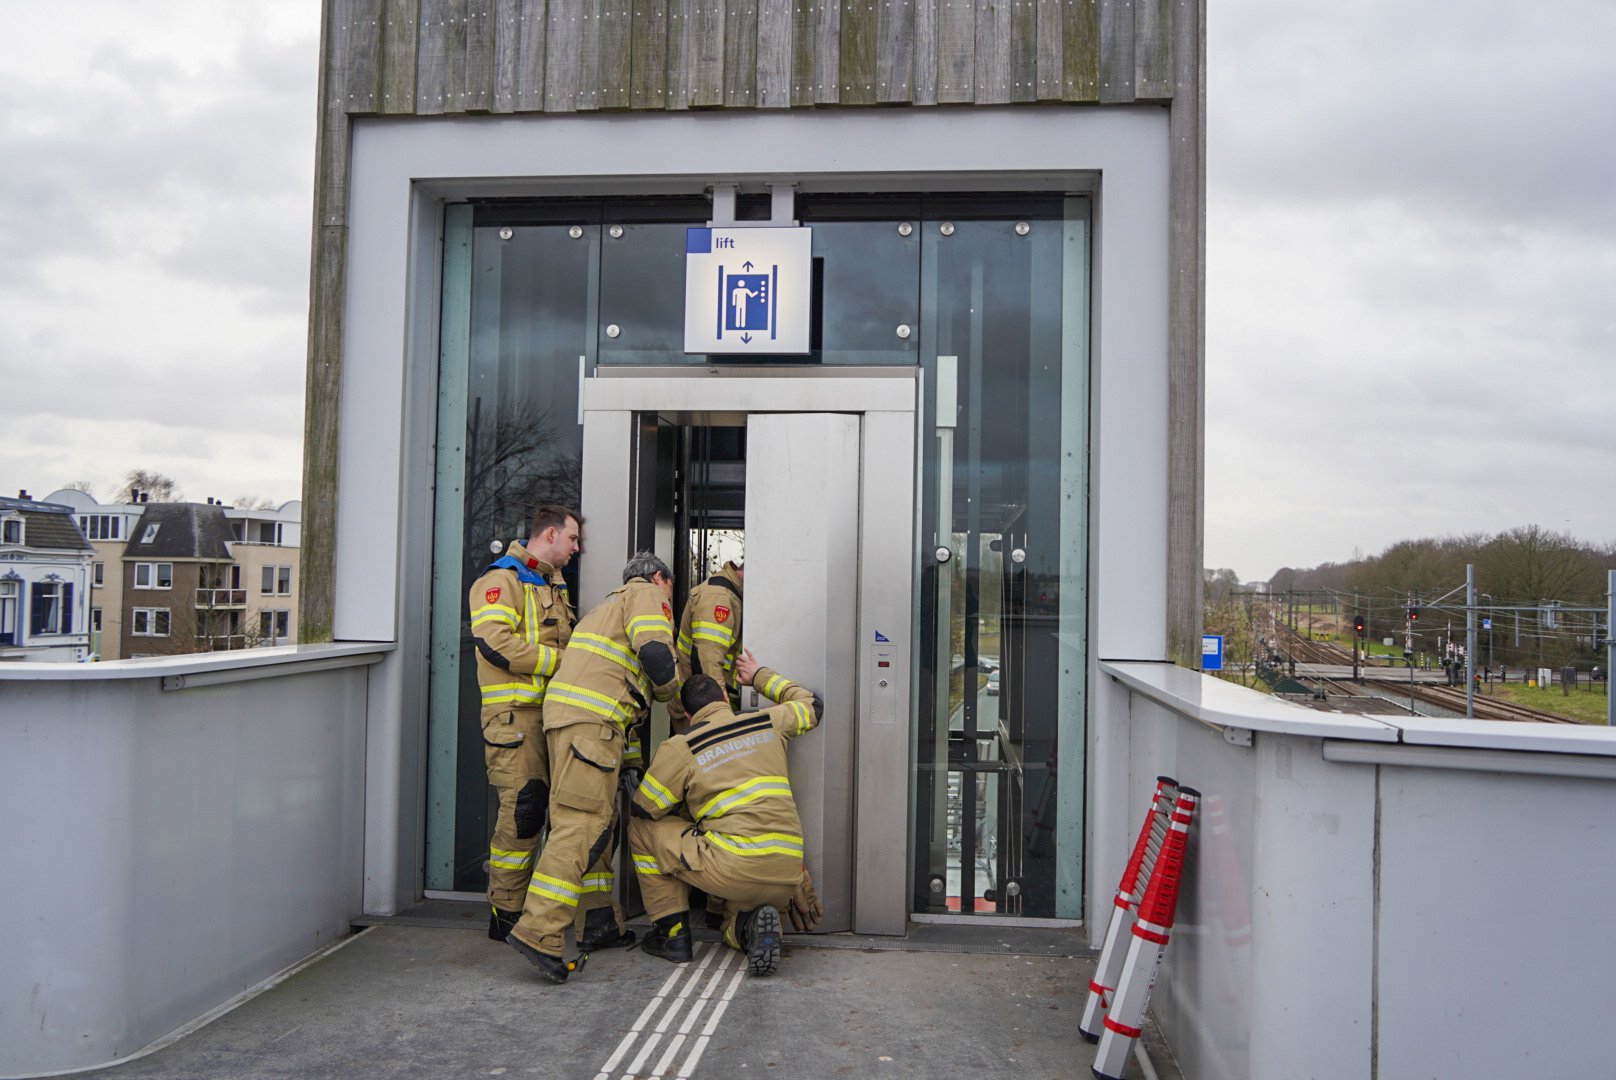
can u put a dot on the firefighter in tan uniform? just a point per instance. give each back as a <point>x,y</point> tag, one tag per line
<point>710,630</point>
<point>746,841</point>
<point>619,658</point>
<point>520,622</point>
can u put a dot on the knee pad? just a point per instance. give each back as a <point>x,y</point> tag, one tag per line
<point>532,804</point>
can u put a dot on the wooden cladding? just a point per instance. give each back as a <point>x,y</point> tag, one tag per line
<point>435,57</point>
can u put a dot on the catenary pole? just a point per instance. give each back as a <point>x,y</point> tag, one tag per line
<point>1470,640</point>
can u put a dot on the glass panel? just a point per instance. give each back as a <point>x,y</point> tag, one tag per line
<point>990,829</point>
<point>517,318</point>
<point>642,293</point>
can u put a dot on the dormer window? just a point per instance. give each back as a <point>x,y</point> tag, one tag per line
<point>151,532</point>
<point>11,530</point>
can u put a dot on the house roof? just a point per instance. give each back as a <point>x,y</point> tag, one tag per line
<point>46,526</point>
<point>180,531</point>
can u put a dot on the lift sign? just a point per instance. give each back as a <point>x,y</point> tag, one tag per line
<point>747,290</point>
<point>1211,652</point>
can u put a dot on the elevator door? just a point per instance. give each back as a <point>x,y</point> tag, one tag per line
<point>828,533</point>
<point>802,528</point>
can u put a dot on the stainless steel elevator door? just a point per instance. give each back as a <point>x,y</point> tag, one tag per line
<point>802,557</point>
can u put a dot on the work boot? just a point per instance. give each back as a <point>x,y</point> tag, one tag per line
<point>715,912</point>
<point>553,968</point>
<point>758,932</point>
<point>601,932</point>
<point>670,939</point>
<point>500,923</point>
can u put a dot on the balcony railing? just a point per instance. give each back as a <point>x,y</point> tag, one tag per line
<point>221,598</point>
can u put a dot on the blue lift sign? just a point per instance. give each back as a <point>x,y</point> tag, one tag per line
<point>748,290</point>
<point>1211,652</point>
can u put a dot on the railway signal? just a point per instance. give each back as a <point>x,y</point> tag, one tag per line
<point>1413,614</point>
<point>1358,625</point>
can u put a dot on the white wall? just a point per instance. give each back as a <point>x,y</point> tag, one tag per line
<point>1376,895</point>
<point>165,850</point>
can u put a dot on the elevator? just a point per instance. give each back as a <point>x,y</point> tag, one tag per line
<point>827,525</point>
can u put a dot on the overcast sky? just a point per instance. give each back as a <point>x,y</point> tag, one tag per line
<point>1411,299</point>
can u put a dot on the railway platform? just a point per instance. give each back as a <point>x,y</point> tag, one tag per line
<point>426,994</point>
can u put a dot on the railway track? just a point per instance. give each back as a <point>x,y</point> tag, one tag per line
<point>1451,698</point>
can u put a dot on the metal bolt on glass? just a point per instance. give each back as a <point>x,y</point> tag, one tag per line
<point>903,331</point>
<point>616,232</point>
<point>1022,228</point>
<point>613,330</point>
<point>506,233</point>
<point>904,228</point>
<point>576,231</point>
<point>947,228</point>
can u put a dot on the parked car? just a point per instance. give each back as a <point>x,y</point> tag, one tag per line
<point>993,684</point>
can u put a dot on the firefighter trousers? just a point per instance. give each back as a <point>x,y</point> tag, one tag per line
<point>671,854</point>
<point>519,772</point>
<point>583,800</point>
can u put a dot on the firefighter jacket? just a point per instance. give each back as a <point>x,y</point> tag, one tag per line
<point>710,630</point>
<point>730,772</point>
<point>520,623</point>
<point>619,657</point>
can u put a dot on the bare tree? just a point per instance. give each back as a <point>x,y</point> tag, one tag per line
<point>80,485</point>
<point>149,483</point>
<point>253,502</point>
<point>513,466</point>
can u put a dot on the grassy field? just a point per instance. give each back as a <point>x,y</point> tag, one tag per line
<point>1582,705</point>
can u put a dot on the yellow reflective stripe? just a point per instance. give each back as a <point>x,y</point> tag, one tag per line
<point>729,936</point>
<point>646,864</point>
<point>549,661</point>
<point>762,844</point>
<point>655,792</point>
<point>497,613</point>
<point>588,700</point>
<point>555,889</point>
<point>775,686</point>
<point>684,642</point>
<point>805,717</point>
<point>649,624</point>
<point>708,631</point>
<point>530,692</point>
<point>756,788</point>
<point>510,860</point>
<point>605,646</point>
<point>601,882</point>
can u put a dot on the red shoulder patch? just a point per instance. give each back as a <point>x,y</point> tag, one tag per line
<point>492,595</point>
<point>668,611</point>
<point>721,613</point>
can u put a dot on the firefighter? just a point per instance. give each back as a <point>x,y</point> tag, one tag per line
<point>520,622</point>
<point>745,844</point>
<point>619,658</point>
<point>710,630</point>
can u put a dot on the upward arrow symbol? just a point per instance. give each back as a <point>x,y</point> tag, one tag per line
<point>747,265</point>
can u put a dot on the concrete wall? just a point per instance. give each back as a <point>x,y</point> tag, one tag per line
<point>1376,895</point>
<point>166,849</point>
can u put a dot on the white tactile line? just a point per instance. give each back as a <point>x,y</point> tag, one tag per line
<point>689,1021</point>
<point>712,1025</point>
<point>671,1006</point>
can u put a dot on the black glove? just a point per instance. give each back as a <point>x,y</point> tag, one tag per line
<point>628,779</point>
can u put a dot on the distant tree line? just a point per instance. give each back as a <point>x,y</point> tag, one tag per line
<point>1526,565</point>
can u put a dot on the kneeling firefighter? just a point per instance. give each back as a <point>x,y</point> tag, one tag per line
<point>743,838</point>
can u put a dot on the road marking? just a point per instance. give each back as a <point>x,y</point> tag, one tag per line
<point>670,1001</point>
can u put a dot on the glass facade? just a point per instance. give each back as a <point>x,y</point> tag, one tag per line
<point>987,296</point>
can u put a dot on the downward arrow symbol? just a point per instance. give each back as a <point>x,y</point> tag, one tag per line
<point>746,339</point>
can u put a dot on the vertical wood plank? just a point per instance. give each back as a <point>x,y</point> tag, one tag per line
<point>616,29</point>
<point>925,50</point>
<point>322,396</point>
<point>706,55</point>
<point>1186,337</point>
<point>827,31</point>
<point>563,41</point>
<point>1023,50</point>
<point>857,73</point>
<point>1051,41</point>
<point>681,28</point>
<point>1153,50</point>
<point>478,91</point>
<point>507,53</point>
<point>895,51</point>
<point>648,77</point>
<point>804,17</point>
<point>399,20</point>
<point>441,57</point>
<point>740,53</point>
<point>590,26</point>
<point>956,51</point>
<point>993,45</point>
<point>1080,50</point>
<point>532,19</point>
<point>1116,51</point>
<point>774,54</point>
<point>362,94</point>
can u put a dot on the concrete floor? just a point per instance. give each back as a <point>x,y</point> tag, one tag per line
<point>427,994</point>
